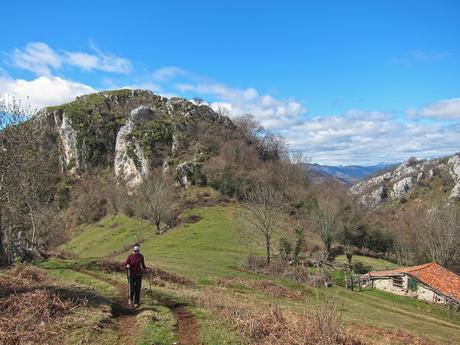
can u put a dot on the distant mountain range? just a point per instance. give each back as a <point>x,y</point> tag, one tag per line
<point>347,174</point>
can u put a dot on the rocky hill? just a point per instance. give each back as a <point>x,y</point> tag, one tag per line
<point>432,180</point>
<point>134,131</point>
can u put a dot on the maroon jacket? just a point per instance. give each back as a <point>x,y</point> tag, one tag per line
<point>136,264</point>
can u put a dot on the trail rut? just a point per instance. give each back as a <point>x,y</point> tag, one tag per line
<point>188,328</point>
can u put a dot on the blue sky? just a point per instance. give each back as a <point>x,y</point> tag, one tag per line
<point>346,82</point>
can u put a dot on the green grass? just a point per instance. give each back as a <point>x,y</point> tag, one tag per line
<point>211,248</point>
<point>158,327</point>
<point>87,327</point>
<point>110,236</point>
<point>70,276</point>
<point>201,251</point>
<point>374,264</point>
<point>214,332</point>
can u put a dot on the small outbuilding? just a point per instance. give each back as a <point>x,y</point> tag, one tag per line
<point>429,282</point>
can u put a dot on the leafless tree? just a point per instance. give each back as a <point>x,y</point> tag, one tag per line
<point>198,100</point>
<point>325,214</point>
<point>262,213</point>
<point>156,198</point>
<point>14,142</point>
<point>440,234</point>
<point>28,169</point>
<point>249,128</point>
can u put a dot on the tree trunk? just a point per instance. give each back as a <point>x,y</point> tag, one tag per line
<point>2,249</point>
<point>267,244</point>
<point>34,227</point>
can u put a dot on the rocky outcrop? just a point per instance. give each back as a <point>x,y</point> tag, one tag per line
<point>134,131</point>
<point>365,185</point>
<point>130,162</point>
<point>185,173</point>
<point>375,198</point>
<point>396,185</point>
<point>70,157</point>
<point>402,187</point>
<point>454,169</point>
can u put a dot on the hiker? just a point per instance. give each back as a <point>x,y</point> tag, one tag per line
<point>135,265</point>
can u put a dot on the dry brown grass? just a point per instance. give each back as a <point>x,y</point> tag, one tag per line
<point>29,307</point>
<point>268,325</point>
<point>393,336</point>
<point>265,286</point>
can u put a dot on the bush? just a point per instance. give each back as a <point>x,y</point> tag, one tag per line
<point>285,249</point>
<point>360,268</point>
<point>364,236</point>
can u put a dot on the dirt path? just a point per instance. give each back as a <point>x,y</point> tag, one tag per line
<point>125,316</point>
<point>188,328</point>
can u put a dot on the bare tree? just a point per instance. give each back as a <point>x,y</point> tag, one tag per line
<point>440,234</point>
<point>14,141</point>
<point>262,213</point>
<point>325,214</point>
<point>156,196</point>
<point>250,129</point>
<point>198,100</point>
<point>28,174</point>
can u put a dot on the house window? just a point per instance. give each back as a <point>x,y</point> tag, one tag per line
<point>398,281</point>
<point>412,284</point>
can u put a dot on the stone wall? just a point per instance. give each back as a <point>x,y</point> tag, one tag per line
<point>422,292</point>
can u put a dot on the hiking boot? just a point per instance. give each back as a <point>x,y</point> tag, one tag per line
<point>136,305</point>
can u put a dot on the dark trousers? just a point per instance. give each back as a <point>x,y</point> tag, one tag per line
<point>135,288</point>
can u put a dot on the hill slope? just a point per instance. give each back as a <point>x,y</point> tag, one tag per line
<point>431,181</point>
<point>209,251</point>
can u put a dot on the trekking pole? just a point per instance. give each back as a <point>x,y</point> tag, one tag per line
<point>150,286</point>
<point>128,275</point>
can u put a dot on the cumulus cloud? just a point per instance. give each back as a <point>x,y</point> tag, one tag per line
<point>41,59</point>
<point>360,137</point>
<point>448,109</point>
<point>353,137</point>
<point>43,91</point>
<point>271,112</point>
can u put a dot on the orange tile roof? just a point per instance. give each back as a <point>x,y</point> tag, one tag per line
<point>431,274</point>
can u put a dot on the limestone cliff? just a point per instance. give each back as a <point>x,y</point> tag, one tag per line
<point>429,179</point>
<point>135,131</point>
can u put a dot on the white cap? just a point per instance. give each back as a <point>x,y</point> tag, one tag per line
<point>136,247</point>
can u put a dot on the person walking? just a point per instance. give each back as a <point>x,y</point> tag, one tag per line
<point>135,265</point>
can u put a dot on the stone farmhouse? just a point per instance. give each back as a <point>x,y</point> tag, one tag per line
<point>429,282</point>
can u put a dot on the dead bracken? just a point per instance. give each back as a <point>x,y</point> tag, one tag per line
<point>29,307</point>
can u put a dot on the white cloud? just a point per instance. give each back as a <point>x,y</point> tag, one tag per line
<point>37,57</point>
<point>360,137</point>
<point>448,109</point>
<point>164,74</point>
<point>271,112</point>
<point>43,91</point>
<point>354,137</point>
<point>41,59</point>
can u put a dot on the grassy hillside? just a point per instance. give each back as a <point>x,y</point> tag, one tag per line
<point>373,263</point>
<point>206,247</point>
<point>209,247</point>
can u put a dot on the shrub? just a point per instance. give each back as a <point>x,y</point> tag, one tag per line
<point>360,268</point>
<point>284,249</point>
